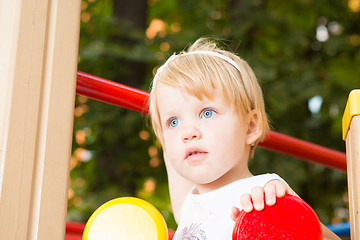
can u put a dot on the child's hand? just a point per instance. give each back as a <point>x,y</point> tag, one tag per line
<point>257,200</point>
<point>273,189</point>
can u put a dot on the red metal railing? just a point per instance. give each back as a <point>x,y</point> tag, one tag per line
<point>135,99</point>
<point>111,92</point>
<point>307,151</point>
<point>74,230</point>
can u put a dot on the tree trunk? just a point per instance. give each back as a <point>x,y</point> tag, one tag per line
<point>131,16</point>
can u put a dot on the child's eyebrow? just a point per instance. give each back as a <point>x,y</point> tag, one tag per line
<point>165,117</point>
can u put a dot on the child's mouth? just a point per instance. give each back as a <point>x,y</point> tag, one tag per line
<point>195,156</point>
<point>192,153</point>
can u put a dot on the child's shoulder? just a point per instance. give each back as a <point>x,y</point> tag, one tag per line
<point>263,178</point>
<point>256,180</point>
<point>240,186</point>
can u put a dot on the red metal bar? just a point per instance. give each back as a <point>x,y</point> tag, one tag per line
<point>111,92</point>
<point>137,100</point>
<point>74,230</point>
<point>311,152</point>
<point>75,227</point>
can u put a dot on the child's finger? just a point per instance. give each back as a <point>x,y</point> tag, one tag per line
<point>257,196</point>
<point>246,202</point>
<point>270,194</point>
<point>234,213</point>
<point>281,189</point>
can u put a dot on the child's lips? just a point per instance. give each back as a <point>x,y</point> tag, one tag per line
<point>195,155</point>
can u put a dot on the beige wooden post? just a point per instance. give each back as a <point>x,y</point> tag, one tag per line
<point>351,133</point>
<point>38,61</point>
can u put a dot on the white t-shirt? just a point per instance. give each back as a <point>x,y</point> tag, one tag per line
<point>207,216</point>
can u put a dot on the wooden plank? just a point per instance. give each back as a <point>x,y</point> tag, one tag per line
<point>351,133</point>
<point>38,59</point>
<point>353,166</point>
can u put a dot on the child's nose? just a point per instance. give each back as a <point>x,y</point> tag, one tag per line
<point>191,133</point>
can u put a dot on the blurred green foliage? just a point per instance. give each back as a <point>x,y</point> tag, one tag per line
<point>298,49</point>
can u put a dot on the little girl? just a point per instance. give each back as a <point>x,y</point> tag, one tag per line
<point>208,113</point>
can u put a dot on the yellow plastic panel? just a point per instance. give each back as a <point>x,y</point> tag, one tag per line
<point>352,108</point>
<point>126,218</point>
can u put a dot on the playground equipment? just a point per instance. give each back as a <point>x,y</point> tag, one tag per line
<point>38,56</point>
<point>38,62</point>
<point>351,134</point>
<point>126,218</point>
<point>290,218</point>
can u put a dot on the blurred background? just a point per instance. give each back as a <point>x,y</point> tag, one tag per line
<point>305,53</point>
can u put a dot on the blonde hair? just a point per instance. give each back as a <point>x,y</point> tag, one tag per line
<point>199,74</point>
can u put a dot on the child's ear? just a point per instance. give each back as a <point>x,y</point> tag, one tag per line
<point>253,128</point>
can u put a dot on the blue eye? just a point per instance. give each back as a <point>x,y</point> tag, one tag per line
<point>173,122</point>
<point>207,113</point>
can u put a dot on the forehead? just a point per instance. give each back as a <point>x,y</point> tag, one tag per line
<point>169,97</point>
<point>171,100</point>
